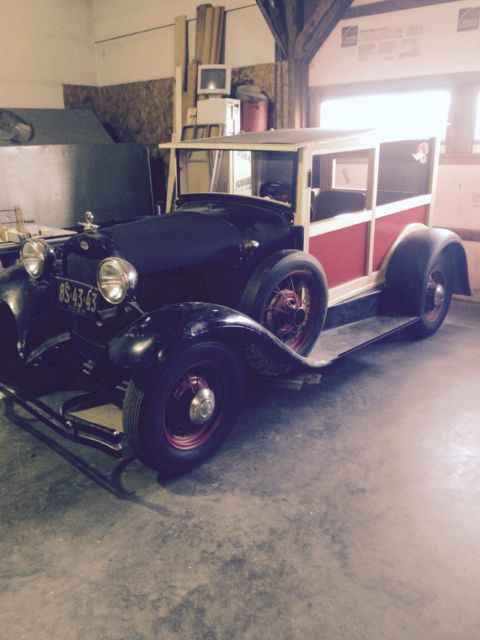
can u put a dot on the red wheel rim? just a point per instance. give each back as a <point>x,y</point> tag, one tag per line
<point>180,430</point>
<point>435,294</point>
<point>290,311</point>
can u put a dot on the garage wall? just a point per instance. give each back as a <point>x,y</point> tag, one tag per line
<point>134,41</point>
<point>107,42</point>
<point>437,45</point>
<point>134,49</point>
<point>43,44</point>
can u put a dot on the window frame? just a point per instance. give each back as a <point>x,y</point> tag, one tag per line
<point>464,88</point>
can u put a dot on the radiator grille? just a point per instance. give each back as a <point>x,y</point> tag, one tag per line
<point>82,268</point>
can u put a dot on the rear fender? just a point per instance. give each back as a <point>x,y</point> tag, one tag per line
<point>414,256</point>
<point>158,336</point>
<point>27,311</point>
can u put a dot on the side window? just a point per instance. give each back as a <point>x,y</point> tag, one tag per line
<point>404,169</point>
<point>339,184</point>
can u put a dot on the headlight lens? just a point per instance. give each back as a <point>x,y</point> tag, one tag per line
<point>116,279</point>
<point>37,257</point>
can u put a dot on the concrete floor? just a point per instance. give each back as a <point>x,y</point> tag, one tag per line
<point>346,511</point>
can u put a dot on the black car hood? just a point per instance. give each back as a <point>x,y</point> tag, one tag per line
<point>173,240</point>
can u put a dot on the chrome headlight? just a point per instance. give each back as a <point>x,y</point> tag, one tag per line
<point>37,257</point>
<point>116,279</point>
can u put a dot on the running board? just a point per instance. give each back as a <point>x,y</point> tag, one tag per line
<point>337,342</point>
<point>340,341</point>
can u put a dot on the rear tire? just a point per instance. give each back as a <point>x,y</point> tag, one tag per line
<point>186,409</point>
<point>435,299</point>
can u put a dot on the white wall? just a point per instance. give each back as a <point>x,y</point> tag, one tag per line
<point>47,43</point>
<point>457,205</point>
<point>413,42</point>
<point>44,43</point>
<point>149,55</point>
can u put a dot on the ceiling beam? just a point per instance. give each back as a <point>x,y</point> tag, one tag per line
<point>318,27</point>
<point>274,15</point>
<point>386,6</point>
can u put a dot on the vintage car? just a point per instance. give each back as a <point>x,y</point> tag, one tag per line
<point>286,250</point>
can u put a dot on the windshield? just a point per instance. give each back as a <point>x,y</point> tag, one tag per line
<point>266,174</point>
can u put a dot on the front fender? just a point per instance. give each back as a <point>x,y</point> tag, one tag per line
<point>31,305</point>
<point>156,336</point>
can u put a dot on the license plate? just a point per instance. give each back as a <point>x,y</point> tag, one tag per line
<point>77,297</point>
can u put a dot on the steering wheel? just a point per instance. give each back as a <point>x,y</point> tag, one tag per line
<point>277,190</point>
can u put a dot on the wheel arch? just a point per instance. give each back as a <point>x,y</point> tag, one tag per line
<point>8,331</point>
<point>414,255</point>
<point>278,267</point>
<point>159,336</point>
<point>30,304</point>
<point>458,259</point>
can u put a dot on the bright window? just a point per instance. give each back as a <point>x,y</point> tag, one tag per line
<point>427,109</point>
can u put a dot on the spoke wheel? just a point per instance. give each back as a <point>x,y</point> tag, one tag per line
<point>289,313</point>
<point>287,294</point>
<point>436,298</point>
<point>181,412</point>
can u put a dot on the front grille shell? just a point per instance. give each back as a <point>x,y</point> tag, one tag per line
<point>81,268</point>
<point>81,258</point>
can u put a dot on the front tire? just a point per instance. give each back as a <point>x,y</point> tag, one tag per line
<point>186,409</point>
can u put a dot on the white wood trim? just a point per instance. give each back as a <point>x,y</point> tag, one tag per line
<point>318,140</point>
<point>350,289</point>
<point>343,220</point>
<point>372,185</point>
<point>340,221</point>
<point>402,205</point>
<point>433,176</point>
<point>303,195</point>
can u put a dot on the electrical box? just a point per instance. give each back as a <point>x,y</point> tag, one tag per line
<point>225,111</point>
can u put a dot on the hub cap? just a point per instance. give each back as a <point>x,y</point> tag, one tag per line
<point>194,407</point>
<point>435,294</point>
<point>202,406</point>
<point>439,295</point>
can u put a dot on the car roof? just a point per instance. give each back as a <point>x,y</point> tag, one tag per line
<point>323,140</point>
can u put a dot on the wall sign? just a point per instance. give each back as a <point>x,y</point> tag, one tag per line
<point>350,36</point>
<point>468,19</point>
<point>386,43</point>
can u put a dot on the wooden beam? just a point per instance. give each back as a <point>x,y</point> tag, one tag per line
<point>273,13</point>
<point>318,27</point>
<point>386,6</point>
<point>216,34</point>
<point>181,47</point>
<point>189,96</point>
<point>200,30</point>
<point>291,25</point>
<point>207,36</point>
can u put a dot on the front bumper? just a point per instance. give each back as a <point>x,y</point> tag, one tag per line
<point>64,421</point>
